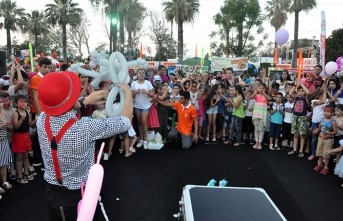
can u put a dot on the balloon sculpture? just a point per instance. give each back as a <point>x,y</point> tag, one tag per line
<point>115,70</point>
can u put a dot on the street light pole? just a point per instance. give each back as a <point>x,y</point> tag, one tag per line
<point>159,53</point>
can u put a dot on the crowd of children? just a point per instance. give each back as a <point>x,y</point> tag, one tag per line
<point>280,114</point>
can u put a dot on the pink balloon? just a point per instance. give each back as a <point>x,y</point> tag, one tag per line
<point>339,63</point>
<point>92,192</point>
<point>281,36</point>
<point>303,80</point>
<point>331,67</point>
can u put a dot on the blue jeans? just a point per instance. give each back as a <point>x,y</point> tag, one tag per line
<point>314,140</point>
<point>236,125</point>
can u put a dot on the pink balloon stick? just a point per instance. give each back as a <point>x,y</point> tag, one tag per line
<point>100,153</point>
<point>82,188</point>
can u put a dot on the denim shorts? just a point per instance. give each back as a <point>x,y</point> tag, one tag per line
<point>137,110</point>
<point>212,110</point>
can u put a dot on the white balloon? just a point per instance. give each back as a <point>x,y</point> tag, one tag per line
<point>110,100</point>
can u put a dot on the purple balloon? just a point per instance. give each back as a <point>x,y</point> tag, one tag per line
<point>281,36</point>
<point>339,63</point>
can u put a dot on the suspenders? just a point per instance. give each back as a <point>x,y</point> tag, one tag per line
<point>54,140</point>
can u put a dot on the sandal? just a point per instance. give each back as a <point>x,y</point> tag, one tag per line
<point>133,150</point>
<point>2,190</point>
<point>128,154</point>
<point>236,144</point>
<point>214,139</point>
<point>307,150</point>
<point>277,147</point>
<point>207,138</point>
<point>292,152</point>
<point>22,180</point>
<point>259,148</point>
<point>6,186</point>
<point>121,150</point>
<point>255,146</point>
<point>311,157</point>
<point>301,154</point>
<point>227,142</point>
<point>28,177</point>
<point>271,147</point>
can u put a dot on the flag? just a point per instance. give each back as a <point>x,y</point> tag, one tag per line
<point>149,50</point>
<point>276,51</point>
<point>141,51</point>
<point>322,41</point>
<point>300,63</point>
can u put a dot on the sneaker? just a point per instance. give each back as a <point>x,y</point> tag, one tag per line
<point>105,156</point>
<point>13,175</point>
<point>32,171</point>
<point>318,168</point>
<point>36,164</point>
<point>145,143</point>
<point>325,171</point>
<point>139,144</point>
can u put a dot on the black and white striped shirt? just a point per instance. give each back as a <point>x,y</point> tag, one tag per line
<point>76,148</point>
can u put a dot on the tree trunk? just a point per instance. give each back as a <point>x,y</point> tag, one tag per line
<point>227,46</point>
<point>111,35</point>
<point>171,29</point>
<point>121,32</point>
<point>36,40</point>
<point>295,49</point>
<point>64,43</point>
<point>275,44</point>
<point>129,40</point>
<point>240,41</point>
<point>9,43</point>
<point>180,40</point>
<point>115,26</point>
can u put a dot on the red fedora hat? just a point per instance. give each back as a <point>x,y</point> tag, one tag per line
<point>58,92</point>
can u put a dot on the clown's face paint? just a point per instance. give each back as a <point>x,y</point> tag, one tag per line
<point>22,103</point>
<point>6,102</point>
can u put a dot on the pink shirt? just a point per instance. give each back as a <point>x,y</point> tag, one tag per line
<point>200,111</point>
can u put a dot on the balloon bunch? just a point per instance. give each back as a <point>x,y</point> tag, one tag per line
<point>114,69</point>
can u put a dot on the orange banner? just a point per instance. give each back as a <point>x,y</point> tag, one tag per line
<point>300,63</point>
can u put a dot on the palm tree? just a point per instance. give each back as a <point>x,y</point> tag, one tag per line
<point>132,20</point>
<point>277,13</point>
<point>223,19</point>
<point>181,11</point>
<point>64,12</point>
<point>297,6</point>
<point>35,24</point>
<point>11,14</point>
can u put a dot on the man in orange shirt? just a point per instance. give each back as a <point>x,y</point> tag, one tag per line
<point>44,68</point>
<point>187,117</point>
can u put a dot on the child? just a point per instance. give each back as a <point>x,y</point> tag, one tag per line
<point>277,110</point>
<point>162,112</point>
<point>211,102</point>
<point>259,115</point>
<point>5,152</point>
<point>221,108</point>
<point>318,100</point>
<point>21,144</point>
<point>128,139</point>
<point>327,130</point>
<point>19,86</point>
<point>237,116</point>
<point>299,124</point>
<point>339,165</point>
<point>228,110</point>
<point>152,120</point>
<point>100,113</point>
<point>247,121</point>
<point>339,136</point>
<point>287,123</point>
<point>200,111</point>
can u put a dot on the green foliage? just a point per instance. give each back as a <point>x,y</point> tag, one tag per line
<point>334,45</point>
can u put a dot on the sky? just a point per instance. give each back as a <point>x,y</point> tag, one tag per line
<point>198,32</point>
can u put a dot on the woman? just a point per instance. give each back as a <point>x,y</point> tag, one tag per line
<point>309,82</point>
<point>285,78</point>
<point>86,90</point>
<point>335,90</point>
<point>142,92</point>
<point>230,80</point>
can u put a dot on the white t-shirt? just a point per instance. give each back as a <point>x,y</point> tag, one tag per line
<point>248,113</point>
<point>288,112</point>
<point>318,112</point>
<point>141,101</point>
<point>194,99</point>
<point>21,91</point>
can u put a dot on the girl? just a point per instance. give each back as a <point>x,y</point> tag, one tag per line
<point>237,115</point>
<point>247,121</point>
<point>21,144</point>
<point>277,110</point>
<point>5,152</point>
<point>200,111</point>
<point>211,102</point>
<point>335,91</point>
<point>152,120</point>
<point>163,112</point>
<point>259,115</point>
<point>142,92</point>
<point>308,82</point>
<point>86,90</point>
<point>285,78</point>
<point>339,136</point>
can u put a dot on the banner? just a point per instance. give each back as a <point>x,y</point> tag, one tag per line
<point>322,41</point>
<point>237,64</point>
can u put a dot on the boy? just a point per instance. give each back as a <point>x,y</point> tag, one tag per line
<point>162,112</point>
<point>229,93</point>
<point>277,110</point>
<point>327,130</point>
<point>19,86</point>
<point>299,123</point>
<point>287,123</point>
